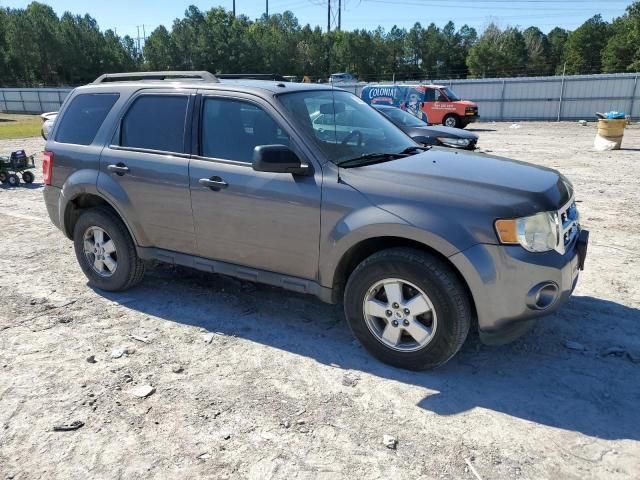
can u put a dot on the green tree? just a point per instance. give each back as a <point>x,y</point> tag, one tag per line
<point>498,53</point>
<point>160,50</point>
<point>538,52</point>
<point>583,50</point>
<point>557,40</point>
<point>622,52</point>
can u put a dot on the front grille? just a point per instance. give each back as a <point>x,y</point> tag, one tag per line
<point>569,225</point>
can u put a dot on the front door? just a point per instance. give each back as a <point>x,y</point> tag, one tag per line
<point>268,221</point>
<point>145,170</point>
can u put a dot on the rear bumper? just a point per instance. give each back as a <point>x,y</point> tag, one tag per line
<point>52,201</point>
<point>512,287</point>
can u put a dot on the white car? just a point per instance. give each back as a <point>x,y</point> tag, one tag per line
<point>47,123</point>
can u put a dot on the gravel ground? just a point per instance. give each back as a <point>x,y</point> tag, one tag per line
<point>254,382</point>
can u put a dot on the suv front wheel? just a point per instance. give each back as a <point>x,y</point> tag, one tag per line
<point>407,308</point>
<point>105,251</point>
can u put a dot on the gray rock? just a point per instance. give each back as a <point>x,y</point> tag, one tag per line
<point>118,352</point>
<point>143,391</point>
<point>573,345</point>
<point>389,442</point>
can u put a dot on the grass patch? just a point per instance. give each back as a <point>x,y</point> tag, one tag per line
<point>19,126</point>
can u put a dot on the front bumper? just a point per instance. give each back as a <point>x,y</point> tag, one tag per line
<point>467,119</point>
<point>512,287</point>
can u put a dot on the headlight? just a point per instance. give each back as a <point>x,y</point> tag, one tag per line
<point>454,142</point>
<point>537,233</point>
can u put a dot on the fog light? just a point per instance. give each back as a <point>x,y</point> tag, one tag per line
<point>542,296</point>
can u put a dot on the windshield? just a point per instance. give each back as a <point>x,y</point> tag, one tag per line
<point>402,117</point>
<point>450,94</point>
<point>343,126</point>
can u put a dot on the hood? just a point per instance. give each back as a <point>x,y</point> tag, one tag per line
<point>467,103</point>
<point>439,131</point>
<point>469,182</point>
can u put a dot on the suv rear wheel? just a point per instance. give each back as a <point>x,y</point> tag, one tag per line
<point>407,308</point>
<point>105,251</point>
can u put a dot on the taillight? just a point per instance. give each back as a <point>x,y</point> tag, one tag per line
<point>47,167</point>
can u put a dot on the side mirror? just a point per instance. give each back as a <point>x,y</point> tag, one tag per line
<point>278,159</point>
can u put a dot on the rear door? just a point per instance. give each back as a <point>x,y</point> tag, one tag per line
<point>268,221</point>
<point>145,169</point>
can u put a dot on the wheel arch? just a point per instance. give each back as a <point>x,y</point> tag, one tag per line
<point>74,207</point>
<point>367,247</point>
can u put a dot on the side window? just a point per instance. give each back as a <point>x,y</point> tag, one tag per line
<point>439,96</point>
<point>84,116</point>
<point>155,122</point>
<point>231,129</point>
<point>430,95</point>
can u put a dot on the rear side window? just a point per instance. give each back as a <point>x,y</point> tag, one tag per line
<point>84,116</point>
<point>156,122</point>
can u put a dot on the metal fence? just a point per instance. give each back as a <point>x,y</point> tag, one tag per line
<point>32,100</point>
<point>533,98</point>
<point>546,98</point>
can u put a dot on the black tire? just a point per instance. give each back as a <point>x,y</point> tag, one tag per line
<point>439,282</point>
<point>129,270</point>
<point>452,120</point>
<point>3,177</point>
<point>13,180</point>
<point>28,177</point>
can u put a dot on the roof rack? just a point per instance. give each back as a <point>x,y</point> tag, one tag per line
<point>168,75</point>
<point>252,76</point>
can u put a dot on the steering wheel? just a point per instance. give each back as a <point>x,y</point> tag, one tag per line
<point>353,133</point>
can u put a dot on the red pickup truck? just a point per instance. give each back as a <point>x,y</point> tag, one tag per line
<point>435,104</point>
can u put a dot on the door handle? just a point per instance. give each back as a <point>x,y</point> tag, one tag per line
<point>214,183</point>
<point>119,168</point>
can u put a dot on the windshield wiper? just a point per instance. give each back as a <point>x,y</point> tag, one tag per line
<point>382,156</point>
<point>370,158</point>
<point>411,150</point>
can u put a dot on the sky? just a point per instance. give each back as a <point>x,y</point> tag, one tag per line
<point>125,16</point>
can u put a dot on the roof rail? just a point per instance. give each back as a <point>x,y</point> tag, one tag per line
<point>252,76</point>
<point>168,75</point>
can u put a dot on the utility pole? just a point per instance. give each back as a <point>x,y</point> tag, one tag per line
<point>234,8</point>
<point>328,16</point>
<point>267,8</point>
<point>138,27</point>
<point>339,14</point>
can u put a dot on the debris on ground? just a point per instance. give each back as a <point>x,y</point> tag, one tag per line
<point>613,352</point>
<point>582,122</point>
<point>350,380</point>
<point>472,468</point>
<point>573,345</point>
<point>68,427</point>
<point>140,339</point>
<point>120,351</point>
<point>515,126</point>
<point>143,391</point>
<point>390,442</point>
<point>92,359</point>
<point>177,368</point>
<point>208,338</point>
<point>203,456</point>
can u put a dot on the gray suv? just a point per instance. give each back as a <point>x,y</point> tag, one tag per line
<point>235,177</point>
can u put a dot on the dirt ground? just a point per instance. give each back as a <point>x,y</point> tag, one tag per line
<point>254,382</point>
